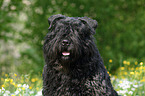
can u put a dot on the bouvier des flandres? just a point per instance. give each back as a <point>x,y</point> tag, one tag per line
<point>73,64</point>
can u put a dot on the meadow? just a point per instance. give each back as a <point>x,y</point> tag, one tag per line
<point>129,81</point>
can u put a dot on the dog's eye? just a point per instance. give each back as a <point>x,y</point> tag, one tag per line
<point>64,35</point>
<point>57,29</point>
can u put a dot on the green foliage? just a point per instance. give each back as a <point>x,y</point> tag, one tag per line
<point>23,26</point>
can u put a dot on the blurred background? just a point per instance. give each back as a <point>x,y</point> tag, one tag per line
<point>24,23</point>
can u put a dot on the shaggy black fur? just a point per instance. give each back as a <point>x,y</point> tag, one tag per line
<point>73,63</point>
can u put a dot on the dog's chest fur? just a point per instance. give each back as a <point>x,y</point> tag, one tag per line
<point>62,84</point>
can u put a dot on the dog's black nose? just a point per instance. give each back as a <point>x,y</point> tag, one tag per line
<point>65,42</point>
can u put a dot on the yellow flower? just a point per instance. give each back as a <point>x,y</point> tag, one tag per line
<point>13,95</point>
<point>36,79</point>
<point>33,79</point>
<point>122,68</point>
<point>136,68</point>
<point>141,63</point>
<point>124,62</point>
<point>128,63</point>
<point>37,88</point>
<point>3,85</point>
<point>110,60</point>
<point>115,77</point>
<point>13,83</point>
<point>23,88</point>
<point>132,68</point>
<point>120,82</point>
<point>136,63</point>
<point>143,80</point>
<point>11,80</point>
<point>15,74</point>
<point>141,67</point>
<point>125,73</point>
<point>131,73</point>
<point>6,75</point>
<point>108,72</point>
<point>122,77</point>
<point>30,87</point>
<point>7,80</point>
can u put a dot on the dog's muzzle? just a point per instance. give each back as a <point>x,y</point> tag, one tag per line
<point>65,53</point>
<point>65,42</point>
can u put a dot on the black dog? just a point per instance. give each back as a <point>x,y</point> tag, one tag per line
<point>73,63</point>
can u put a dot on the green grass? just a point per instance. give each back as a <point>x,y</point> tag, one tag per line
<point>129,81</point>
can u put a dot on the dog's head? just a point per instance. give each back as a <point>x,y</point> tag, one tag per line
<point>69,38</point>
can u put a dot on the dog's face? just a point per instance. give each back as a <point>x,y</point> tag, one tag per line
<point>69,38</point>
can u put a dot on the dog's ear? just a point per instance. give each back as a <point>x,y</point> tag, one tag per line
<point>92,23</point>
<point>54,18</point>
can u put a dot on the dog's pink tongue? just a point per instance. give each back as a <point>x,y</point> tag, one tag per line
<point>65,53</point>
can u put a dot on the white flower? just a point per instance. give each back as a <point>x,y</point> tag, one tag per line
<point>19,89</point>
<point>3,89</point>
<point>16,92</point>
<point>19,85</point>
<point>31,92</point>
<point>113,78</point>
<point>132,89</point>
<point>130,92</point>
<point>140,85</point>
<point>39,93</point>
<point>7,92</point>
<point>122,91</point>
<point>135,86</point>
<point>126,86</point>
<point>26,86</point>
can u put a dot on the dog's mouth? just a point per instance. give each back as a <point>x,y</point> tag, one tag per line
<point>65,56</point>
<point>66,53</point>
